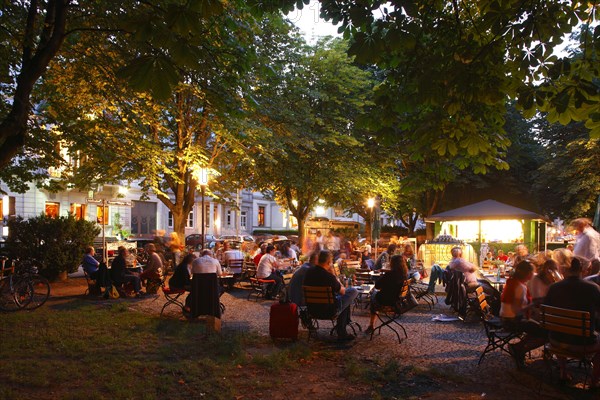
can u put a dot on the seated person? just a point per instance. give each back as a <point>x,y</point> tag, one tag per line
<point>154,266</point>
<point>233,253</point>
<point>458,263</point>
<point>206,264</point>
<point>514,310</point>
<point>295,291</point>
<point>120,274</point>
<point>321,275</point>
<point>388,287</point>
<point>366,261</point>
<point>383,260</point>
<point>89,263</point>
<point>181,275</point>
<point>547,274</point>
<point>575,293</point>
<point>267,269</point>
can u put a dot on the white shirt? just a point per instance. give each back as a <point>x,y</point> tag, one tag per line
<point>206,265</point>
<point>588,244</point>
<point>511,310</point>
<point>233,255</point>
<point>266,265</point>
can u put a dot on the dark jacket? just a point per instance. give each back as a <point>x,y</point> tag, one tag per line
<point>117,270</point>
<point>390,286</point>
<point>180,278</point>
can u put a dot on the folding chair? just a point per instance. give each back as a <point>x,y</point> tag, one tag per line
<point>421,292</point>
<point>498,338</point>
<point>571,322</point>
<point>321,304</point>
<point>172,297</point>
<point>259,288</point>
<point>389,315</point>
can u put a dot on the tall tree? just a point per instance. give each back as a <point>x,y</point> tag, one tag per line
<point>312,107</point>
<point>127,135</point>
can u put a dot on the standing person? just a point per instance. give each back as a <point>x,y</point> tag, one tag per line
<point>321,275</point>
<point>574,293</point>
<point>175,246</point>
<point>457,263</point>
<point>120,274</point>
<point>514,311</point>
<point>319,239</point>
<point>267,269</point>
<point>588,240</point>
<point>154,266</point>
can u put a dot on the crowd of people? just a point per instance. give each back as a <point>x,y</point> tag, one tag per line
<point>565,278</point>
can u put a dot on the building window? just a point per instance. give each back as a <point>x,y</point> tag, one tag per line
<point>52,209</point>
<point>188,224</point>
<point>261,215</point>
<point>228,218</point>
<point>243,217</point>
<point>78,211</point>
<point>100,215</point>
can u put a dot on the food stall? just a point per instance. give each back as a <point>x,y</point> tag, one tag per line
<point>499,225</point>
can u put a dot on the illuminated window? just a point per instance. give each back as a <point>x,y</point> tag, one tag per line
<point>100,215</point>
<point>261,216</point>
<point>52,209</point>
<point>78,211</point>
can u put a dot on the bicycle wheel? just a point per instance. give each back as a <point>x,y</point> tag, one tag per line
<point>16,296</point>
<point>40,291</point>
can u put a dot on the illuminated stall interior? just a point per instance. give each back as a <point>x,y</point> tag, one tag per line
<point>500,225</point>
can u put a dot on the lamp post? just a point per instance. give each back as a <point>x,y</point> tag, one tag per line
<point>203,181</point>
<point>371,204</point>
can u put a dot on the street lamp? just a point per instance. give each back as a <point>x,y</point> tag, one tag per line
<point>371,204</point>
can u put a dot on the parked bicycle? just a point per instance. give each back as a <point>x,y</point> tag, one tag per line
<point>21,287</point>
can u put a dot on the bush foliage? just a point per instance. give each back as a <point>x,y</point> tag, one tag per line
<point>56,243</point>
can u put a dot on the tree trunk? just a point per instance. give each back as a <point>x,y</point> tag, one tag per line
<point>34,63</point>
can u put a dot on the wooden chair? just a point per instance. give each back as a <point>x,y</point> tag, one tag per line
<point>575,323</point>
<point>498,338</point>
<point>354,264</point>
<point>321,304</point>
<point>259,288</point>
<point>389,315</point>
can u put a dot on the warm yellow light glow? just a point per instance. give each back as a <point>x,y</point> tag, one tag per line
<point>319,210</point>
<point>371,202</point>
<point>200,174</point>
<point>123,190</point>
<point>506,231</point>
<point>295,203</point>
<point>5,205</point>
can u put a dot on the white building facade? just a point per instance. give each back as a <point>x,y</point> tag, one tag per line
<point>124,211</point>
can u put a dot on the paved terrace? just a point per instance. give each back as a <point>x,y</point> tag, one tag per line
<point>448,349</point>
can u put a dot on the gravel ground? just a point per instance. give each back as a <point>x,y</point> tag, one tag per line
<point>450,349</point>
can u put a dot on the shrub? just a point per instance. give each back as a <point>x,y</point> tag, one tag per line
<point>57,243</point>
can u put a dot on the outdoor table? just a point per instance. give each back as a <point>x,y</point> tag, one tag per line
<point>493,279</point>
<point>364,293</point>
<point>227,280</point>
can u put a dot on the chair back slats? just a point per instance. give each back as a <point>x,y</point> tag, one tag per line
<point>562,320</point>
<point>320,302</point>
<point>352,264</point>
<point>405,290</point>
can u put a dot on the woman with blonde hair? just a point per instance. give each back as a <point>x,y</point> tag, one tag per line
<point>563,258</point>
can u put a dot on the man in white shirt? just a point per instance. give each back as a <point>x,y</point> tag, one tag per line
<point>206,264</point>
<point>267,269</point>
<point>460,264</point>
<point>588,240</point>
<point>234,253</point>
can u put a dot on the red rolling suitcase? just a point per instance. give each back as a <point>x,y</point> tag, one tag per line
<point>283,321</point>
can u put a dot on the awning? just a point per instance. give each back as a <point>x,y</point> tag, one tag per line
<point>486,210</point>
